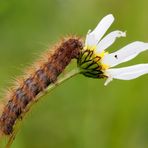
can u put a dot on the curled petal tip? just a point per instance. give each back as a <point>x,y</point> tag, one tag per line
<point>111,16</point>
<point>109,79</point>
<point>123,34</point>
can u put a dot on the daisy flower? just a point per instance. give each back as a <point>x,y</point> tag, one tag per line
<point>94,61</point>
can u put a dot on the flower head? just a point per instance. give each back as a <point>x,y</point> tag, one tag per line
<point>95,62</point>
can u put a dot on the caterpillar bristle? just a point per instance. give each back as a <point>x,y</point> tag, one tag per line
<point>36,79</point>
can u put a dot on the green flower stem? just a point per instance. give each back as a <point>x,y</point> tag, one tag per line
<point>49,89</point>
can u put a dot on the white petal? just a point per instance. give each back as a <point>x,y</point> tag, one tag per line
<point>125,54</point>
<point>93,37</point>
<point>109,40</point>
<point>109,79</point>
<point>127,73</point>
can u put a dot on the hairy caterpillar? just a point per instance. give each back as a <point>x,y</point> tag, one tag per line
<point>46,73</point>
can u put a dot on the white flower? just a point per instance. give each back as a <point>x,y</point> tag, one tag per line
<point>96,44</point>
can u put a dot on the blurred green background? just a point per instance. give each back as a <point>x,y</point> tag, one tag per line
<point>82,112</point>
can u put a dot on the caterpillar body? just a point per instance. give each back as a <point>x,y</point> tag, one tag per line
<point>37,81</point>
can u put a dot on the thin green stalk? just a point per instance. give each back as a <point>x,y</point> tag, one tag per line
<point>49,89</point>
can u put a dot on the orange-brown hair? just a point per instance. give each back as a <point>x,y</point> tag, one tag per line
<point>38,80</point>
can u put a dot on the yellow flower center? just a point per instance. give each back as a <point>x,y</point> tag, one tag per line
<point>100,55</point>
<point>104,66</point>
<point>91,63</point>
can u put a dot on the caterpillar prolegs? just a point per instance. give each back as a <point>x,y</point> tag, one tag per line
<point>37,81</point>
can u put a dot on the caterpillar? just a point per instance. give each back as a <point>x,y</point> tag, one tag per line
<point>38,80</point>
